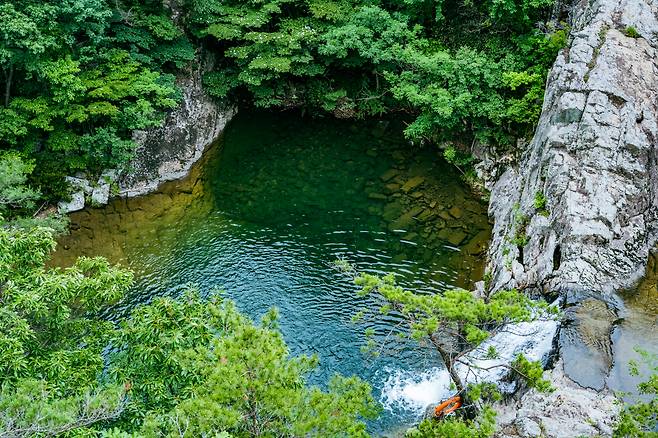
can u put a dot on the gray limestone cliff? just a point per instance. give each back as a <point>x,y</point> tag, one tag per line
<point>168,152</point>
<point>578,215</point>
<point>163,153</point>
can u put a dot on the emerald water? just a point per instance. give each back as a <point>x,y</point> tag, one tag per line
<point>267,211</point>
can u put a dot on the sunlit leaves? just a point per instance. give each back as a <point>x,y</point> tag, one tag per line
<point>15,193</point>
<point>640,419</point>
<point>46,331</point>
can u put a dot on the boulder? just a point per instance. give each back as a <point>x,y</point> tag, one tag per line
<point>167,152</point>
<point>76,203</point>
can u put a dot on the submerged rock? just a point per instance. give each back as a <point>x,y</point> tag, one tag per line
<point>413,183</point>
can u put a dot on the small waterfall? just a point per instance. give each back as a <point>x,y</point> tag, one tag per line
<point>412,392</point>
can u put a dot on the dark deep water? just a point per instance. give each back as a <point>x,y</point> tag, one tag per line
<point>267,212</point>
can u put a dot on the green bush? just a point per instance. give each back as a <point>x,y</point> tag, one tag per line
<point>631,32</point>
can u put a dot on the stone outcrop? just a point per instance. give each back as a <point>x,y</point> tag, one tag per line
<point>85,192</point>
<point>570,411</point>
<point>578,215</point>
<point>164,153</point>
<point>594,157</point>
<point>168,152</point>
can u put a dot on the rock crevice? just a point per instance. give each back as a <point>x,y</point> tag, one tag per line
<point>168,152</point>
<point>578,215</point>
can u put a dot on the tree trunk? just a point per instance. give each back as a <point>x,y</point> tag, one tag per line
<point>449,363</point>
<point>9,77</point>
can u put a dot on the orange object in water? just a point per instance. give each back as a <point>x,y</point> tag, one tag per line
<point>448,406</point>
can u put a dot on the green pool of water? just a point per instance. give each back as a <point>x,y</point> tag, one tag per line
<point>268,210</point>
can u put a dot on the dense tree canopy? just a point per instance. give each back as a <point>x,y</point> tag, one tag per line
<point>189,364</point>
<point>459,67</point>
<point>79,76</point>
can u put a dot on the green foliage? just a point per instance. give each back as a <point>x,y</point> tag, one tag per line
<point>641,419</point>
<point>244,382</point>
<point>76,86</point>
<point>441,319</point>
<point>539,202</point>
<point>34,408</point>
<point>355,58</point>
<point>519,237</point>
<point>173,363</point>
<point>45,327</point>
<point>15,193</point>
<point>631,32</point>
<point>483,426</point>
<point>457,158</point>
<point>79,76</point>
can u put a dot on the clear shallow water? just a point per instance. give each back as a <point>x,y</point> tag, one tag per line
<point>266,213</point>
<point>638,329</point>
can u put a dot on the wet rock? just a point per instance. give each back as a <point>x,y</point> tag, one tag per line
<point>478,244</point>
<point>457,237</point>
<point>413,183</point>
<point>378,196</point>
<point>391,188</point>
<point>410,237</point>
<point>453,237</point>
<point>392,210</point>
<point>405,221</point>
<point>426,215</point>
<point>445,215</point>
<point>585,344</point>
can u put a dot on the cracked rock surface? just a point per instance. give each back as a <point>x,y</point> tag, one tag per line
<point>168,152</point>
<point>594,158</point>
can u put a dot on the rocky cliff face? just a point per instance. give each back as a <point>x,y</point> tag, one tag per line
<point>168,152</point>
<point>594,157</point>
<point>579,214</point>
<point>164,153</point>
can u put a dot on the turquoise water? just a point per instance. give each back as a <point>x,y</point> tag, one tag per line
<point>269,210</point>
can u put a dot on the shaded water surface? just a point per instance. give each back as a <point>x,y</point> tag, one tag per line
<point>638,329</point>
<point>272,206</point>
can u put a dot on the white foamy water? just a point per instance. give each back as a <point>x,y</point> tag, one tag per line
<point>412,392</point>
